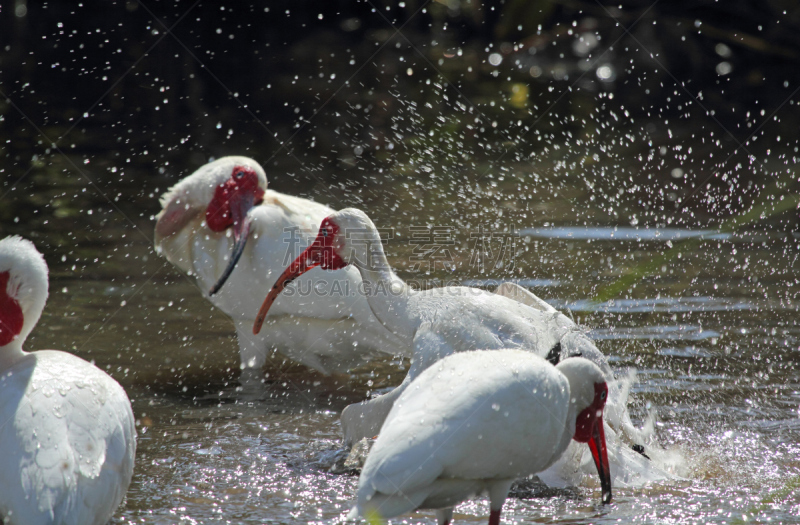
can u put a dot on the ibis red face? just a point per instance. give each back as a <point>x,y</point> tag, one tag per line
<point>11,317</point>
<point>229,209</point>
<point>589,429</point>
<point>322,253</point>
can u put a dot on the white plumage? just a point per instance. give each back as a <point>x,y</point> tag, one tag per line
<point>473,423</point>
<point>67,434</point>
<point>324,324</point>
<point>441,321</point>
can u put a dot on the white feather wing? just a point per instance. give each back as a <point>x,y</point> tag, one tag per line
<point>68,438</point>
<point>474,415</point>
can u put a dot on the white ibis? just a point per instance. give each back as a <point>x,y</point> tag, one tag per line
<point>441,321</point>
<point>67,431</point>
<point>433,323</point>
<point>223,225</point>
<point>473,423</point>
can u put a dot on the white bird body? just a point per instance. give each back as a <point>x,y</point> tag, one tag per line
<point>458,319</point>
<point>67,432</point>
<point>473,423</point>
<point>433,323</point>
<point>322,322</point>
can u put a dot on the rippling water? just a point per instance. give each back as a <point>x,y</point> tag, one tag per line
<point>714,339</point>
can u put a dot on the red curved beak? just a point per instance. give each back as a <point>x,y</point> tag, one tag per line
<point>240,205</point>
<point>320,253</point>
<point>310,258</point>
<point>597,444</point>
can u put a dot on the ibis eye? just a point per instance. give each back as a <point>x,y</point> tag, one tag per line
<point>603,395</point>
<point>238,174</point>
<point>324,232</point>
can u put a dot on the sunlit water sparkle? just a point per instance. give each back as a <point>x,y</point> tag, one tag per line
<point>715,351</point>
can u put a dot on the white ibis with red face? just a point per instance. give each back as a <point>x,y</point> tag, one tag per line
<point>441,321</point>
<point>67,434</point>
<point>476,421</point>
<point>223,225</point>
<point>433,323</point>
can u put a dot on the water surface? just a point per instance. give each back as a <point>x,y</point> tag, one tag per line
<point>714,338</point>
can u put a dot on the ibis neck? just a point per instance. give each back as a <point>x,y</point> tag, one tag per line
<point>10,354</point>
<point>569,431</point>
<point>386,293</point>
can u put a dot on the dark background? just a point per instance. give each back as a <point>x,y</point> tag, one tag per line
<point>101,95</point>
